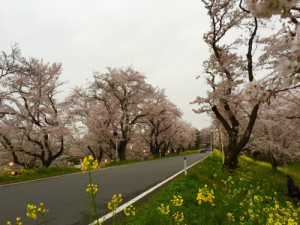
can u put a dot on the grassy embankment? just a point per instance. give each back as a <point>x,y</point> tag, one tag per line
<point>6,178</point>
<point>252,195</point>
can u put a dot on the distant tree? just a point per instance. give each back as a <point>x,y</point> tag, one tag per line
<point>198,140</point>
<point>275,134</point>
<point>162,116</point>
<point>123,94</point>
<point>94,126</point>
<point>205,135</point>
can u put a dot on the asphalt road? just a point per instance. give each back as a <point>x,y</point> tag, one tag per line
<point>65,196</point>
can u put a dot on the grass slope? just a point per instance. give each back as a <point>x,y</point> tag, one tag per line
<point>252,195</point>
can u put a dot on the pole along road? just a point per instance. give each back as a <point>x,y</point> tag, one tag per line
<point>65,196</point>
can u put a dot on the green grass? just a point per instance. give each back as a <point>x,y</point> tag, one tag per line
<point>123,162</point>
<point>252,195</point>
<point>189,152</point>
<point>38,173</point>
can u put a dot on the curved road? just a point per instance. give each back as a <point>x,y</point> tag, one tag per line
<point>66,199</point>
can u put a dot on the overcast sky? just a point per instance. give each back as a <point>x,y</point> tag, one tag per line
<point>162,39</point>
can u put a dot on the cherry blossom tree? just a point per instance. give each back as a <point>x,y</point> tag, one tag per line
<point>172,137</point>
<point>91,144</point>
<point>280,58</point>
<point>93,129</point>
<point>10,64</point>
<point>162,115</point>
<point>232,68</point>
<point>276,133</point>
<point>205,134</point>
<point>189,136</point>
<point>182,136</point>
<point>227,70</point>
<point>122,95</point>
<point>35,123</point>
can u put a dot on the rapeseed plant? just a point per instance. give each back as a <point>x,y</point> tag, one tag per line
<point>90,164</point>
<point>178,217</point>
<point>177,200</point>
<point>164,210</point>
<point>130,211</point>
<point>32,210</point>
<point>92,190</point>
<point>230,217</point>
<point>206,196</point>
<point>113,205</point>
<point>17,223</point>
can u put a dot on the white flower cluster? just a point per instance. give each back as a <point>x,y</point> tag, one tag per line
<point>255,93</point>
<point>266,8</point>
<point>289,69</point>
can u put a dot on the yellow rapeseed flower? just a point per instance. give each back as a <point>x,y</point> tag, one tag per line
<point>206,196</point>
<point>113,205</point>
<point>89,164</point>
<point>92,189</point>
<point>177,200</point>
<point>178,217</point>
<point>32,210</point>
<point>164,210</point>
<point>230,216</point>
<point>130,211</point>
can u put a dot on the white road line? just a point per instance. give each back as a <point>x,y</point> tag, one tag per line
<point>122,207</point>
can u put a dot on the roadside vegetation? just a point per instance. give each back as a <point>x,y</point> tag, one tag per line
<point>254,194</point>
<point>189,152</point>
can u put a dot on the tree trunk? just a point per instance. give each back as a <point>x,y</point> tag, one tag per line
<point>230,163</point>
<point>254,155</point>
<point>99,158</point>
<point>231,153</point>
<point>235,147</point>
<point>152,150</point>
<point>95,154</point>
<point>273,161</point>
<point>122,150</point>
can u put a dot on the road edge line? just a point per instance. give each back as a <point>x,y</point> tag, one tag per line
<point>122,207</point>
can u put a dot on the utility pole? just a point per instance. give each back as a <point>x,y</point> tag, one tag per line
<point>211,142</point>
<point>117,158</point>
<point>222,143</point>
